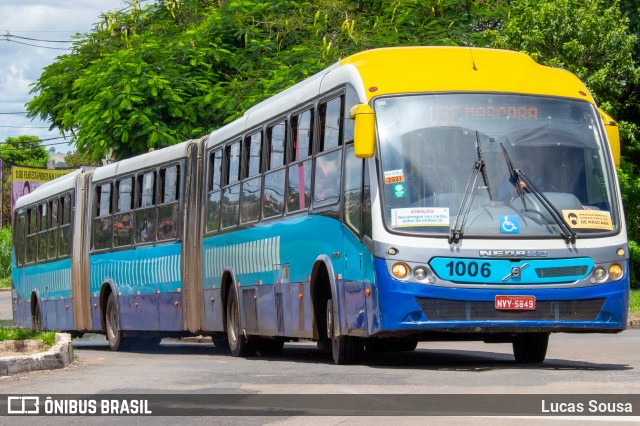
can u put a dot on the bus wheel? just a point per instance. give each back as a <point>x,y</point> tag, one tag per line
<point>345,349</point>
<point>36,318</point>
<point>114,334</point>
<point>238,345</point>
<point>530,347</point>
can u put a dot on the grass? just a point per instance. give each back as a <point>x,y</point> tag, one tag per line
<point>634,301</point>
<point>8,332</point>
<point>5,282</point>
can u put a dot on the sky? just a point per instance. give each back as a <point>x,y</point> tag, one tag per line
<point>21,65</point>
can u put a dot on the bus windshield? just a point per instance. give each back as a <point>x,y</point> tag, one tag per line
<point>431,144</point>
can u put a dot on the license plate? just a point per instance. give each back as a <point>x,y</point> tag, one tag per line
<point>515,303</point>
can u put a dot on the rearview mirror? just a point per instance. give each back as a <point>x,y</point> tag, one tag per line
<point>365,130</point>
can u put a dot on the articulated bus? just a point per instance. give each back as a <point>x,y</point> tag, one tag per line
<point>400,195</point>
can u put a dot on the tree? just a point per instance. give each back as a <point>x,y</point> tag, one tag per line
<point>592,39</point>
<point>77,159</point>
<point>20,151</point>
<point>152,77</point>
<point>24,151</point>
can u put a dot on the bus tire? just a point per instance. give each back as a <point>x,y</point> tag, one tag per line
<point>530,347</point>
<point>239,346</point>
<point>345,350</point>
<point>36,317</point>
<point>112,324</point>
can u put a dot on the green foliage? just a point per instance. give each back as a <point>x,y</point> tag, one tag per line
<point>11,333</point>
<point>634,301</point>
<point>5,252</point>
<point>590,38</point>
<point>169,71</point>
<point>24,151</point>
<point>176,70</point>
<point>77,159</point>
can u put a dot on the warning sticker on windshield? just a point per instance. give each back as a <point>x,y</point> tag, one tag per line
<point>588,219</point>
<point>393,176</point>
<point>422,216</point>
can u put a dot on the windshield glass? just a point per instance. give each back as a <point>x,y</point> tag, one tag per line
<point>429,145</point>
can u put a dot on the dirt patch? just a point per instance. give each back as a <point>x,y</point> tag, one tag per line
<point>21,347</point>
<point>634,320</point>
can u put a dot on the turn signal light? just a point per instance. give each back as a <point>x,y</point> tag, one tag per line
<point>400,270</point>
<point>615,271</point>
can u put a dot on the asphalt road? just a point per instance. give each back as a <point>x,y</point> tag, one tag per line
<point>5,304</point>
<point>576,364</point>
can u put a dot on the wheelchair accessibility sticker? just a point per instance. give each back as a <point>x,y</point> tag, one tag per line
<point>509,224</point>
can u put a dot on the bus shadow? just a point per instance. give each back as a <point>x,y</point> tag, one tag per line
<point>454,360</point>
<point>420,359</point>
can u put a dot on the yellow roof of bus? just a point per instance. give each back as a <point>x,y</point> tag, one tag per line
<point>445,69</point>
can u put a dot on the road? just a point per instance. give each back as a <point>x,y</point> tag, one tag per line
<point>576,363</point>
<point>5,304</point>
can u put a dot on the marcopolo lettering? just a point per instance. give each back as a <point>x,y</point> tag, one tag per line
<point>514,253</point>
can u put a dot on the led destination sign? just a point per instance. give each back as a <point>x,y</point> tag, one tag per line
<point>445,115</point>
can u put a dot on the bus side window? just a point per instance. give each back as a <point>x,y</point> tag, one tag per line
<point>252,187</point>
<point>252,151</point>
<point>123,217</point>
<point>276,139</point>
<point>330,124</point>
<point>352,190</point>
<point>366,202</point>
<point>146,212</point>
<point>169,203</point>
<point>274,179</point>
<point>43,231</point>
<point>20,238</point>
<point>231,194</point>
<point>102,221</point>
<point>299,182</point>
<point>32,236</point>
<point>215,184</point>
<point>351,99</point>
<point>64,231</point>
<point>299,186</point>
<point>302,131</point>
<point>53,229</point>
<point>232,163</point>
<point>326,186</point>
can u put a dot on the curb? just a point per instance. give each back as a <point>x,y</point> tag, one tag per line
<point>59,355</point>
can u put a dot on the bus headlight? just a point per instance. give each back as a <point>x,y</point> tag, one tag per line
<point>400,270</point>
<point>615,271</point>
<point>600,274</point>
<point>420,273</point>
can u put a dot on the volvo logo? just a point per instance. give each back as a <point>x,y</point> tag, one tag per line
<point>514,253</point>
<point>516,271</point>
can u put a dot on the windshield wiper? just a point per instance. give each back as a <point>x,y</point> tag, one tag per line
<point>465,205</point>
<point>519,176</point>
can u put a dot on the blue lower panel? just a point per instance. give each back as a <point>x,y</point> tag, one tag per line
<point>408,306</point>
<point>213,310</point>
<point>57,314</point>
<point>150,312</point>
<point>21,313</point>
<point>96,322</point>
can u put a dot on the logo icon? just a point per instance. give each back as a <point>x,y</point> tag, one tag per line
<point>509,224</point>
<point>573,218</point>
<point>399,191</point>
<point>23,405</point>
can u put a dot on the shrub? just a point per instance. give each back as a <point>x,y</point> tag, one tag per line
<point>5,252</point>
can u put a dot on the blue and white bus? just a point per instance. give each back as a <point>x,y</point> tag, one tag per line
<point>401,195</point>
